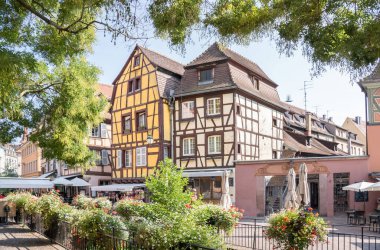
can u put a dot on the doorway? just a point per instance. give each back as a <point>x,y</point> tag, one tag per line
<point>314,195</point>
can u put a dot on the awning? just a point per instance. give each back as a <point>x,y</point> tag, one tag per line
<point>202,173</point>
<point>62,181</point>
<point>116,187</point>
<point>46,175</point>
<point>20,183</point>
<point>77,182</point>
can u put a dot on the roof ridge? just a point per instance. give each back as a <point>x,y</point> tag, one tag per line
<point>152,51</point>
<point>215,44</point>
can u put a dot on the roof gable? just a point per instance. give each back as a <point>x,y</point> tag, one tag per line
<point>217,53</point>
<point>374,77</point>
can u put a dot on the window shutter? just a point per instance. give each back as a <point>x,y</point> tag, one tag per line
<point>143,156</point>
<point>119,159</point>
<point>103,130</point>
<point>104,157</point>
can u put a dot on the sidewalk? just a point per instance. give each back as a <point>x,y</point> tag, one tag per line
<point>13,236</point>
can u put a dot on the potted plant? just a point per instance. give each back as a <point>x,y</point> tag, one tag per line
<point>296,229</point>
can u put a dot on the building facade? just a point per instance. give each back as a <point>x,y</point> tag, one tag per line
<point>358,126</point>
<point>226,109</point>
<point>141,127</point>
<point>10,158</point>
<point>31,158</point>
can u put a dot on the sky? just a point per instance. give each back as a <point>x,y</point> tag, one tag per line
<point>330,94</point>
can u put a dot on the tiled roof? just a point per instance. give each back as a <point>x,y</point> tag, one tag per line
<point>373,77</point>
<point>218,52</point>
<point>163,61</point>
<point>297,141</point>
<point>105,89</point>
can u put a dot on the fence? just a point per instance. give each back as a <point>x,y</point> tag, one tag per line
<point>64,234</point>
<point>252,236</point>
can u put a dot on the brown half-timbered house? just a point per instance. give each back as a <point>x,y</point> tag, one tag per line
<point>141,125</point>
<point>226,109</point>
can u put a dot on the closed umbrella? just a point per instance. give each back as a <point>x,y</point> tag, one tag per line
<point>225,201</point>
<point>303,187</point>
<point>291,196</point>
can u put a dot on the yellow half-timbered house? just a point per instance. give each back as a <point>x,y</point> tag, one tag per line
<point>141,114</point>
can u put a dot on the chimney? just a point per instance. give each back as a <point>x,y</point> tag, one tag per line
<point>308,123</point>
<point>324,117</point>
<point>330,119</point>
<point>358,120</point>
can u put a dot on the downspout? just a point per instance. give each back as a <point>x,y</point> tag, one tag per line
<point>171,108</point>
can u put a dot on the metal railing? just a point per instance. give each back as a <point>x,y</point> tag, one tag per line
<point>252,236</point>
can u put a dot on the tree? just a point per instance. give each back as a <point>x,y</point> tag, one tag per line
<point>48,86</point>
<point>8,171</point>
<point>344,34</point>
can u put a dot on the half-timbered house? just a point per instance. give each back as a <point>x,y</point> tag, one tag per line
<point>141,125</point>
<point>226,109</point>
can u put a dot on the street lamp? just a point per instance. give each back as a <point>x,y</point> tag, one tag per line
<point>149,139</point>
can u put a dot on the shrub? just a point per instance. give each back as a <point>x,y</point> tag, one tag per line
<point>95,223</point>
<point>102,203</point>
<point>83,202</point>
<point>296,229</point>
<point>216,216</point>
<point>129,208</point>
<point>21,199</point>
<point>49,206</point>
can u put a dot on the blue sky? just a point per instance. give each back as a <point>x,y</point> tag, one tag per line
<point>331,93</point>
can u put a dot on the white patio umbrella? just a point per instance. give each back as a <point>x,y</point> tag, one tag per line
<point>291,196</point>
<point>303,187</point>
<point>373,187</point>
<point>359,187</point>
<point>225,201</point>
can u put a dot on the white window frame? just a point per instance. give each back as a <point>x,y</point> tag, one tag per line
<point>188,111</point>
<point>128,161</point>
<point>188,148</point>
<point>130,124</point>
<point>104,155</point>
<point>97,129</point>
<point>211,106</point>
<point>141,156</point>
<point>139,121</point>
<point>212,145</point>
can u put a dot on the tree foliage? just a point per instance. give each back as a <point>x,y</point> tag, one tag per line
<point>48,86</point>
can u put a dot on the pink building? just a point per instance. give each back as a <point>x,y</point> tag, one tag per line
<point>260,184</point>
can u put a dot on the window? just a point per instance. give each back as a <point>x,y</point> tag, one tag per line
<point>214,144</point>
<point>136,61</point>
<point>141,121</point>
<point>130,86</point>
<point>274,122</point>
<point>189,146</point>
<point>206,76</point>
<point>238,109</point>
<point>231,181</point>
<point>188,109</point>
<point>166,152</point>
<point>137,84</point>
<point>127,124</point>
<point>95,131</point>
<point>119,159</point>
<point>141,156</point>
<point>274,154</point>
<point>255,82</point>
<point>128,158</point>
<point>239,148</point>
<point>213,106</point>
<point>98,160</point>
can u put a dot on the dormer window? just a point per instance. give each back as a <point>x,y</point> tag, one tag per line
<point>206,76</point>
<point>255,82</point>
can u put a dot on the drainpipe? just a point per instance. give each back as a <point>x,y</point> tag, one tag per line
<point>171,108</point>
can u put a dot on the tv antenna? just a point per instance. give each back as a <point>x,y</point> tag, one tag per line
<point>306,85</point>
<point>316,109</point>
<point>289,98</point>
